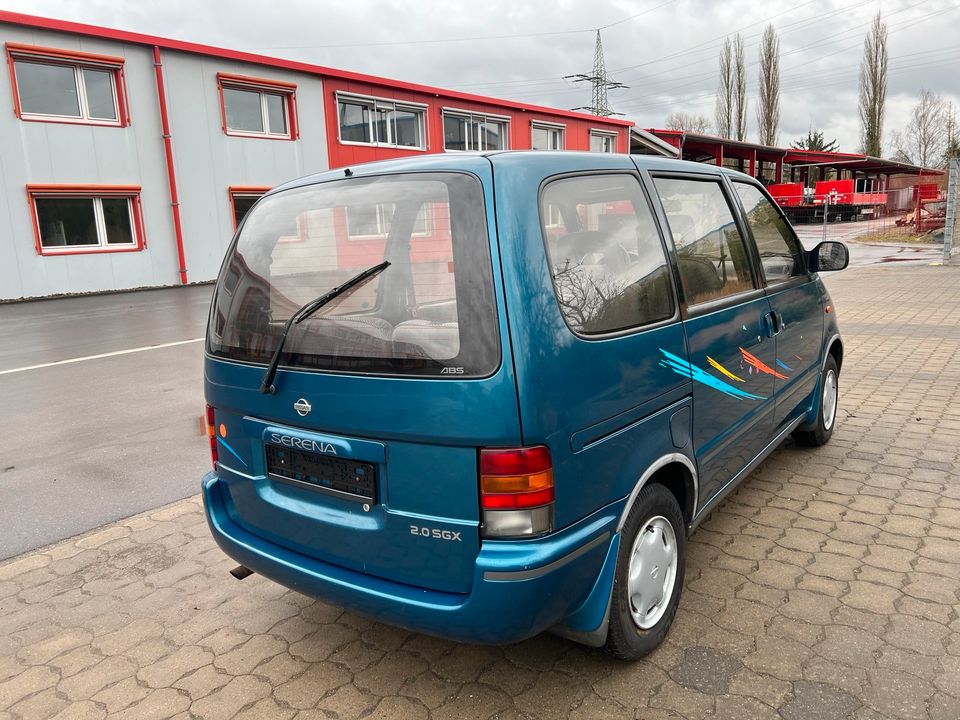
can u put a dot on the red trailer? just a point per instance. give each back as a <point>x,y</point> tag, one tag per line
<point>846,199</point>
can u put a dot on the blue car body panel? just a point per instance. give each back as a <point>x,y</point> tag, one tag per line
<point>607,408</point>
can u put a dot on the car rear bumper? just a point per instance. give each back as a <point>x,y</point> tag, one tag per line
<point>520,588</point>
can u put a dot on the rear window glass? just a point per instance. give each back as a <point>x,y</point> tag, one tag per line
<point>431,312</point>
<point>608,264</point>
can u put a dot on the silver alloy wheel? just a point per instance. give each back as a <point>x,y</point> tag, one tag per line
<point>829,399</point>
<point>652,572</point>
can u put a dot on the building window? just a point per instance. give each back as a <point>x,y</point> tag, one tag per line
<point>86,218</point>
<point>242,198</point>
<point>66,86</point>
<point>544,136</point>
<point>254,107</point>
<point>369,221</point>
<point>469,131</point>
<point>372,121</point>
<point>603,142</point>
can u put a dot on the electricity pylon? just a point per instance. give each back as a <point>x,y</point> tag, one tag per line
<point>600,81</point>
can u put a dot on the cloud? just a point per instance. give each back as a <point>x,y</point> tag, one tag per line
<point>667,55</point>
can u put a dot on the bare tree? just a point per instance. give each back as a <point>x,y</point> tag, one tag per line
<point>873,88</point>
<point>740,89</point>
<point>724,104</point>
<point>925,138</point>
<point>768,111</point>
<point>687,122</point>
<point>584,295</point>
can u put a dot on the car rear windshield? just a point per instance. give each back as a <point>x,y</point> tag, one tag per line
<point>431,312</point>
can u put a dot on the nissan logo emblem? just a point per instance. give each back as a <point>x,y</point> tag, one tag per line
<point>302,407</point>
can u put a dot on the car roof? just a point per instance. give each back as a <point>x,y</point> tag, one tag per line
<point>549,161</point>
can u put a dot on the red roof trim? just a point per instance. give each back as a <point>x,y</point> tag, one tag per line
<point>15,18</point>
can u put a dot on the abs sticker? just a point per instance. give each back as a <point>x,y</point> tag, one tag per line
<point>435,533</point>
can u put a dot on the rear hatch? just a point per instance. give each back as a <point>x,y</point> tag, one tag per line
<point>365,454</point>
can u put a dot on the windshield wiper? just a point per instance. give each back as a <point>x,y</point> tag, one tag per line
<point>266,385</point>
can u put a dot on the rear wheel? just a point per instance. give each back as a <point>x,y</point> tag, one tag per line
<point>827,411</point>
<point>649,576</point>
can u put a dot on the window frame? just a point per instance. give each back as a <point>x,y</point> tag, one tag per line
<point>243,191</point>
<point>549,127</point>
<point>755,251</point>
<point>381,222</point>
<point>611,135</point>
<point>372,103</point>
<point>704,308</point>
<point>264,87</point>
<point>471,117</point>
<point>666,246</point>
<point>94,193</point>
<point>77,61</point>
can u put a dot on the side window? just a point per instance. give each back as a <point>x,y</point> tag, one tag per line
<point>711,253</point>
<point>779,250</point>
<point>608,266</point>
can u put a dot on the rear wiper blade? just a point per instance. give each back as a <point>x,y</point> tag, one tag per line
<point>266,385</point>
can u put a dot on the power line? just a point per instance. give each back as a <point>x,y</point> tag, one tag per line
<point>897,27</point>
<point>437,41</point>
<point>706,46</point>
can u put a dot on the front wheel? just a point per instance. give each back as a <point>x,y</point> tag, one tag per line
<point>827,411</point>
<point>649,575</point>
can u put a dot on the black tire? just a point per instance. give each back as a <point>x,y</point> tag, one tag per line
<point>823,431</point>
<point>626,640</point>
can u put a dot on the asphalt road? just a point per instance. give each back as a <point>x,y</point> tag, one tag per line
<point>89,442</point>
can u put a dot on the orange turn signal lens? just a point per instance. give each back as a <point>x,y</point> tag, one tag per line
<point>516,483</point>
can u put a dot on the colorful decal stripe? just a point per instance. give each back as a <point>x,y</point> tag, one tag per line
<point>759,365</point>
<point>682,367</point>
<point>717,366</point>
<point>782,364</point>
<point>232,451</point>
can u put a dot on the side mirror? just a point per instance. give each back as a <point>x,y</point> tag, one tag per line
<point>828,256</point>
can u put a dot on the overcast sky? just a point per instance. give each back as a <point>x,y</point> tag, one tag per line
<point>664,50</point>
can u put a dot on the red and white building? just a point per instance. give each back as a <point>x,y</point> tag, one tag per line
<point>127,159</point>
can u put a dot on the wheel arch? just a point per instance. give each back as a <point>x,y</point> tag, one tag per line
<point>835,348</point>
<point>678,474</point>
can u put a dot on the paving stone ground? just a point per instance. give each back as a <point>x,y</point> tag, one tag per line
<point>827,586</point>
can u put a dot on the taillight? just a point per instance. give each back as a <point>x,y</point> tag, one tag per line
<point>212,435</point>
<point>516,491</point>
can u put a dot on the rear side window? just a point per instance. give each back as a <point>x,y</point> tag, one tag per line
<point>711,254</point>
<point>608,265</point>
<point>431,312</point>
<point>778,247</point>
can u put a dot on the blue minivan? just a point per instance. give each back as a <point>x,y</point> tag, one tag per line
<point>487,395</point>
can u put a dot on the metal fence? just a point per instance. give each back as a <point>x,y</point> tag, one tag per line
<point>952,228</point>
<point>913,214</point>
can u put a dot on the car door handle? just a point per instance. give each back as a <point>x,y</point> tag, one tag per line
<point>772,323</point>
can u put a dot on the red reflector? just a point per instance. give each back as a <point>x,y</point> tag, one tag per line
<point>515,461</point>
<point>511,501</point>
<point>212,435</point>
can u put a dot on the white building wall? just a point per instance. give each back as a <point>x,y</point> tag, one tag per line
<point>206,160</point>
